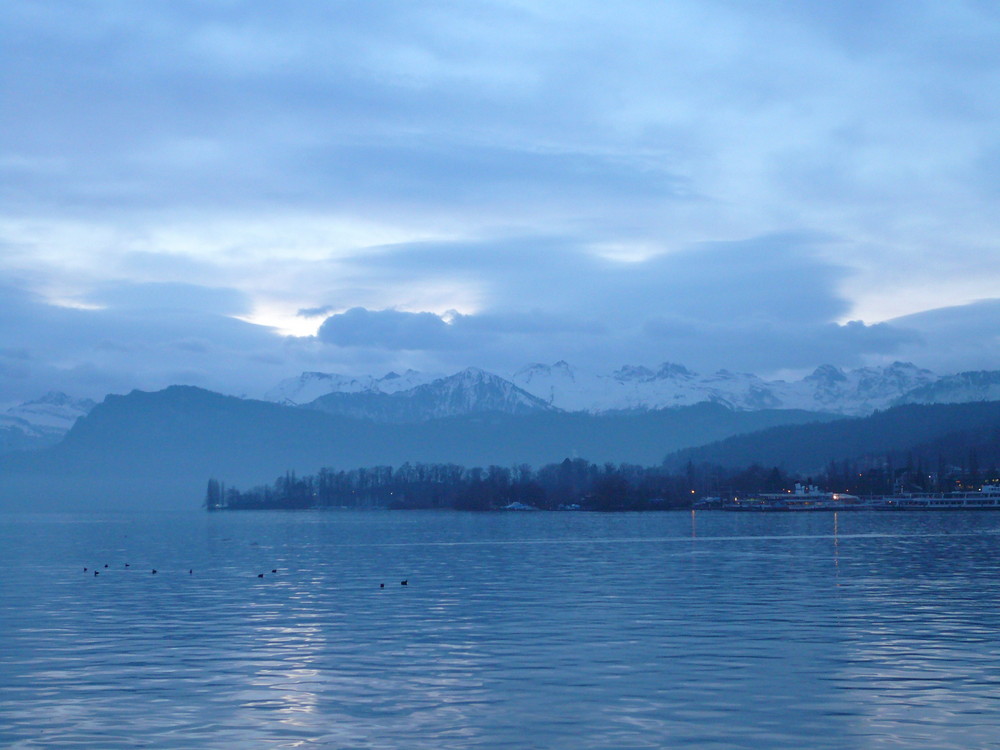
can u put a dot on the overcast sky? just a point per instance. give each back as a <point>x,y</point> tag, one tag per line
<point>229,193</point>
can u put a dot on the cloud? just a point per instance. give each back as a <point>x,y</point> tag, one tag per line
<point>646,115</point>
<point>386,329</point>
<point>315,312</point>
<point>765,304</point>
<point>773,347</point>
<point>962,337</point>
<point>505,343</point>
<point>163,267</point>
<point>405,331</point>
<point>179,336</point>
<point>171,296</point>
<point>767,278</point>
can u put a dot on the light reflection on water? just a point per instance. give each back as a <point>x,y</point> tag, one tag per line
<point>567,630</point>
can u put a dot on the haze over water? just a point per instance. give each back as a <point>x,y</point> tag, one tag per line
<point>547,630</point>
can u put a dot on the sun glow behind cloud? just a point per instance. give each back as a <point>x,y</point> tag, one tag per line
<point>282,322</point>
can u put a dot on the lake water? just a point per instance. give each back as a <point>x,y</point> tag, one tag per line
<point>541,630</point>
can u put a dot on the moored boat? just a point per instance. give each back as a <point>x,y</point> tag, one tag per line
<point>987,498</point>
<point>802,498</point>
<point>811,498</point>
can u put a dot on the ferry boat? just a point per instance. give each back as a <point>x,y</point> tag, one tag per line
<point>802,498</point>
<point>811,498</point>
<point>987,498</point>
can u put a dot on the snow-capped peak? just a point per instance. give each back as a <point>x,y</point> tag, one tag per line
<point>470,391</point>
<point>310,386</point>
<point>672,370</point>
<point>826,374</point>
<point>53,411</point>
<point>475,390</point>
<point>43,421</point>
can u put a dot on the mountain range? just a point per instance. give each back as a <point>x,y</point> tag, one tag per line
<point>411,396</point>
<point>415,396</point>
<point>828,388</point>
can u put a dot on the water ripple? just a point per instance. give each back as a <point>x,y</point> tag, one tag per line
<point>516,630</point>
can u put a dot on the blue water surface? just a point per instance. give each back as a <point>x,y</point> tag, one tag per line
<point>540,630</point>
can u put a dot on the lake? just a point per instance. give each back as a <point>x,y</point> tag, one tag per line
<point>540,630</point>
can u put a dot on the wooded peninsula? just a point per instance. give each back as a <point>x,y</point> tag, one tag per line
<point>576,484</point>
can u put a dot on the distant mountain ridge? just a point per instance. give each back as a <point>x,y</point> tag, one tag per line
<point>828,388</point>
<point>41,422</point>
<point>562,387</point>
<point>931,432</point>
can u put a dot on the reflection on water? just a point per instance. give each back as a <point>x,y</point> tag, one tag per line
<point>571,630</point>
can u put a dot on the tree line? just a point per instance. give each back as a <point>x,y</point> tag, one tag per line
<point>569,484</point>
<point>579,484</point>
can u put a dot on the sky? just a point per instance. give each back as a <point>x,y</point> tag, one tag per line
<point>226,194</point>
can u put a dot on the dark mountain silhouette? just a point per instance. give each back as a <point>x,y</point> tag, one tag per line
<point>932,432</point>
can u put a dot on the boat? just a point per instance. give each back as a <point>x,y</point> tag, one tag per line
<point>811,498</point>
<point>987,498</point>
<point>802,498</point>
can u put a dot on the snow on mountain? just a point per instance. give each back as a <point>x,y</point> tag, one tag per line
<point>471,391</point>
<point>854,392</point>
<point>42,422</point>
<point>963,387</point>
<point>474,390</point>
<point>54,412</point>
<point>828,388</point>
<point>310,386</point>
<point>562,386</point>
<point>394,383</point>
<point>631,388</point>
